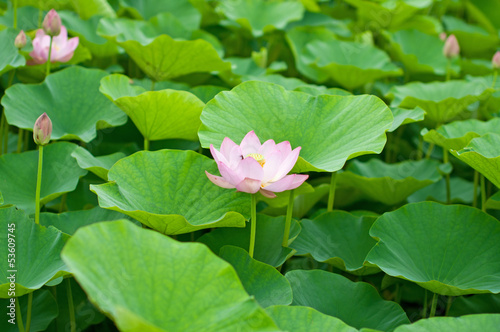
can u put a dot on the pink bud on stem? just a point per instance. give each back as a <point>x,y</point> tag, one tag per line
<point>52,23</point>
<point>451,48</point>
<point>20,40</point>
<point>42,130</point>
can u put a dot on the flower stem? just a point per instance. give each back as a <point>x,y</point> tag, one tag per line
<point>429,151</point>
<point>476,180</point>
<point>253,224</point>
<point>28,315</point>
<point>495,75</point>
<point>48,59</point>
<point>288,219</point>
<point>448,70</point>
<point>424,309</point>
<point>153,85</point>
<point>71,306</point>
<point>483,194</point>
<point>434,305</point>
<point>331,195</point>
<point>146,144</point>
<point>448,305</point>
<point>19,318</point>
<point>38,184</point>
<point>447,177</point>
<point>20,137</point>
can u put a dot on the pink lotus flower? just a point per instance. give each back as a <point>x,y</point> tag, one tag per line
<point>52,23</point>
<point>496,60</point>
<point>62,48</point>
<point>251,167</point>
<point>451,48</point>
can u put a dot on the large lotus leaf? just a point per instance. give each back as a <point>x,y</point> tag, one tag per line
<point>338,238</point>
<point>476,304</point>
<point>493,202</point>
<point>10,57</point>
<point>441,100</point>
<point>356,303</point>
<point>390,183</point>
<point>37,253</point>
<point>168,191</point>
<point>86,31</point>
<point>71,99</point>
<point>420,53</point>
<point>314,19</point>
<point>461,191</point>
<point>88,8</point>
<point>158,115</point>
<point>161,57</point>
<point>194,290</point>
<point>183,10</point>
<point>260,16</point>
<point>483,322</point>
<point>483,155</point>
<point>351,64</point>
<point>259,279</point>
<point>458,134</point>
<point>404,116</point>
<point>44,311</point>
<point>268,239</point>
<point>305,319</point>
<point>69,222</point>
<point>344,126</point>
<point>485,12</point>
<point>492,104</point>
<point>60,174</point>
<point>474,41</point>
<point>447,249</point>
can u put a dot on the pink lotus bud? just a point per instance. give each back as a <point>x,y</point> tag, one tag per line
<point>451,48</point>
<point>496,60</point>
<point>20,40</point>
<point>442,36</point>
<point>52,23</point>
<point>42,130</point>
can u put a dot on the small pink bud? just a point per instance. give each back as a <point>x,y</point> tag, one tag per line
<point>42,130</point>
<point>20,40</point>
<point>52,23</point>
<point>496,60</point>
<point>451,48</point>
<point>442,36</point>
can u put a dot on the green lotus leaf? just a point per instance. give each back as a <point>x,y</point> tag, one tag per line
<point>474,41</point>
<point>168,191</point>
<point>493,202</point>
<point>282,199</point>
<point>322,90</point>
<point>71,99</point>
<point>37,253</point>
<point>491,104</point>
<point>44,311</point>
<point>56,4</point>
<point>7,18</point>
<point>260,16</point>
<point>97,165</point>
<point>442,101</point>
<point>484,322</point>
<point>458,134</point>
<point>305,319</point>
<point>390,183</point>
<point>461,191</point>
<point>161,57</point>
<point>338,238</point>
<point>268,239</point>
<point>182,10</point>
<point>476,304</point>
<point>345,126</point>
<point>88,8</point>
<point>10,57</point>
<point>259,279</point>
<point>208,295</point>
<point>314,19</point>
<point>404,116</point>
<point>420,53</point>
<point>356,303</point>
<point>69,222</point>
<point>86,32</point>
<point>60,174</point>
<point>447,249</point>
<point>346,62</point>
<point>158,115</point>
<point>483,155</point>
<point>475,67</point>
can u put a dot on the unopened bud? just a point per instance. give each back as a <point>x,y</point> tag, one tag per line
<point>442,36</point>
<point>52,23</point>
<point>42,130</point>
<point>496,60</point>
<point>20,40</point>
<point>451,48</point>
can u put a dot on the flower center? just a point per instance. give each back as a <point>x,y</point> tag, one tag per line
<point>258,157</point>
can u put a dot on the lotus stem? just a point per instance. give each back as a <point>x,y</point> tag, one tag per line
<point>38,184</point>
<point>424,309</point>
<point>331,195</point>
<point>288,219</point>
<point>476,180</point>
<point>434,305</point>
<point>71,306</point>
<point>495,75</point>
<point>2,125</point>
<point>153,85</point>
<point>448,70</point>
<point>253,225</point>
<point>448,305</point>
<point>6,136</point>
<point>447,177</point>
<point>20,138</point>
<point>28,315</point>
<point>63,202</point>
<point>19,317</point>
<point>483,194</point>
<point>146,144</point>
<point>48,59</point>
<point>429,151</point>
